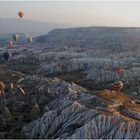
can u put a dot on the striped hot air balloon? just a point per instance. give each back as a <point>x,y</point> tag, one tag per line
<point>117,86</point>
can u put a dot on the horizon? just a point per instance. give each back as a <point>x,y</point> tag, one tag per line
<point>79,13</point>
<point>73,26</point>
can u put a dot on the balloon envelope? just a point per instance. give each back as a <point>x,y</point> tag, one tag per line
<point>120,70</point>
<point>7,55</point>
<point>16,37</point>
<point>117,86</point>
<point>10,44</point>
<point>20,14</point>
<point>30,39</point>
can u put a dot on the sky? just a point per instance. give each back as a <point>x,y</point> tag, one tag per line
<point>81,13</point>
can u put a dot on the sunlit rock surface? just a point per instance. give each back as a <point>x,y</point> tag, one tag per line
<point>54,108</point>
<point>77,113</point>
<point>101,71</point>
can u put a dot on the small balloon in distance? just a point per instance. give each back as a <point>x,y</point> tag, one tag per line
<point>7,55</point>
<point>10,44</point>
<point>16,37</point>
<point>20,14</point>
<point>29,39</point>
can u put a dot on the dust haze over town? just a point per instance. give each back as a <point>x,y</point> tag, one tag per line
<point>70,70</point>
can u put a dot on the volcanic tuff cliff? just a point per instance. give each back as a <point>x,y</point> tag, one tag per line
<point>109,38</point>
<point>77,113</point>
<point>66,110</point>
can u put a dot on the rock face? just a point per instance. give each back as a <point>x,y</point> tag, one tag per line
<point>101,71</point>
<point>80,114</point>
<point>37,104</point>
<point>53,108</point>
<point>61,58</point>
<point>108,38</point>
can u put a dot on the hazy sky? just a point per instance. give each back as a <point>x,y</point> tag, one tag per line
<point>101,13</point>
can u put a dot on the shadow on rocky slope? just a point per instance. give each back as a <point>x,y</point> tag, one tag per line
<point>40,107</point>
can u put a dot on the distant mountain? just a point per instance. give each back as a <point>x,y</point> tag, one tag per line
<point>116,38</point>
<point>27,26</point>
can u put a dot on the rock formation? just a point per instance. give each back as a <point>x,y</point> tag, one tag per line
<point>54,108</point>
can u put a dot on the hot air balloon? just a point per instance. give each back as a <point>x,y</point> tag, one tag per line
<point>16,37</point>
<point>7,55</point>
<point>29,39</point>
<point>117,86</point>
<point>120,70</point>
<point>10,44</point>
<point>20,14</point>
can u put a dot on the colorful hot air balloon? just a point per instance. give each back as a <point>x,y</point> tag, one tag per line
<point>10,44</point>
<point>117,86</point>
<point>29,39</point>
<point>7,55</point>
<point>20,14</point>
<point>16,37</point>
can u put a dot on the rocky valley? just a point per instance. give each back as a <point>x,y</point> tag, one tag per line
<point>60,85</point>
